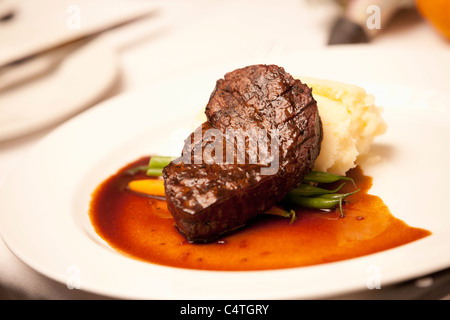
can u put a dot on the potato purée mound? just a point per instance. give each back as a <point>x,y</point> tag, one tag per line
<point>350,122</point>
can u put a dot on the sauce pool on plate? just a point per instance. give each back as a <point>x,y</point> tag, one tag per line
<point>142,228</point>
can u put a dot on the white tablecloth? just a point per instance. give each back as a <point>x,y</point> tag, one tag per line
<point>185,35</point>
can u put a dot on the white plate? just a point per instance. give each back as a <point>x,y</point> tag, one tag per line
<point>78,82</point>
<point>44,203</point>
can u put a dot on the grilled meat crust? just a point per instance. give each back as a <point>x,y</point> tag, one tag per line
<point>209,198</point>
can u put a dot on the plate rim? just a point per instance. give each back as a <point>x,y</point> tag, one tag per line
<point>104,83</point>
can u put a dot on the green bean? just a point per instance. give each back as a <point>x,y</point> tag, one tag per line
<point>154,167</point>
<point>308,190</point>
<point>154,172</point>
<point>278,211</point>
<point>325,201</point>
<point>313,202</point>
<point>159,161</point>
<point>325,177</point>
<point>156,164</point>
<point>338,195</point>
<point>137,169</point>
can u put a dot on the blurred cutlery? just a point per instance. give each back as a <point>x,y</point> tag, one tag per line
<point>7,10</point>
<point>354,25</point>
<point>30,66</point>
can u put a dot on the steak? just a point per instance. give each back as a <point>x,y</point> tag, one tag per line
<point>222,180</point>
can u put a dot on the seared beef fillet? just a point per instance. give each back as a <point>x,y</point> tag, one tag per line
<point>209,199</point>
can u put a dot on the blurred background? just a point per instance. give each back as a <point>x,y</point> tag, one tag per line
<point>61,57</point>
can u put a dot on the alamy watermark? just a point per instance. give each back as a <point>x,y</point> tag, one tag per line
<point>374,20</point>
<point>74,277</point>
<point>374,279</point>
<point>73,21</point>
<point>234,146</point>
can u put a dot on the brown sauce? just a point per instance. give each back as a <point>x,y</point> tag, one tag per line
<point>143,228</point>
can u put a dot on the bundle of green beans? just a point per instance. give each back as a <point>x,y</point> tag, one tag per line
<point>310,196</point>
<point>306,194</point>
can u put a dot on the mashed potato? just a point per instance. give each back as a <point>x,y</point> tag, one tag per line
<point>350,122</point>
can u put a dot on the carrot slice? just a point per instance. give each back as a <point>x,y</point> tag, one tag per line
<point>153,187</point>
